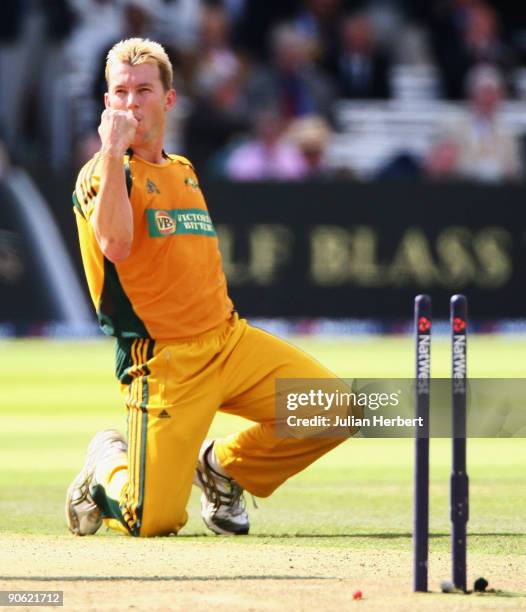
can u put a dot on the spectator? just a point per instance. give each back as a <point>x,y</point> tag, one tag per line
<point>291,84</point>
<point>257,20</point>
<point>215,52</point>
<point>466,34</point>
<point>311,136</point>
<point>441,161</point>
<point>360,66</point>
<point>487,151</point>
<point>31,59</point>
<point>483,42</point>
<point>402,166</point>
<point>178,24</point>
<point>266,155</point>
<point>318,20</point>
<point>219,114</point>
<point>97,21</point>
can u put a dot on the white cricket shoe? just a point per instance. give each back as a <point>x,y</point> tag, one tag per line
<point>222,503</point>
<point>82,513</point>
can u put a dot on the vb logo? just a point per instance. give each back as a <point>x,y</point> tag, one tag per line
<point>165,224</point>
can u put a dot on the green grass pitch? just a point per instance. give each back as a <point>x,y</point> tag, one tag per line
<point>57,394</point>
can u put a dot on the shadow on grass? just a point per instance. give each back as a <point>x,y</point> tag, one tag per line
<point>498,593</point>
<point>490,593</point>
<point>157,578</point>
<point>379,536</point>
<point>478,534</point>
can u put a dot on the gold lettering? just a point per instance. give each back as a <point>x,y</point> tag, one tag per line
<point>492,245</point>
<point>364,268</point>
<point>236,272</point>
<point>458,266</point>
<point>269,250</point>
<point>329,255</point>
<point>413,261</point>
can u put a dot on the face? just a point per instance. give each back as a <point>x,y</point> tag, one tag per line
<point>487,98</point>
<point>139,89</point>
<point>357,34</point>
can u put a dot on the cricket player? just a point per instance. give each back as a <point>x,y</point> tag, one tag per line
<point>153,267</point>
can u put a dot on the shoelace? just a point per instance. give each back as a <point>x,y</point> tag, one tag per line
<point>230,495</point>
<point>82,493</point>
<point>232,498</point>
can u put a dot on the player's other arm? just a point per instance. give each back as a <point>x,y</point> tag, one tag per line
<point>112,218</point>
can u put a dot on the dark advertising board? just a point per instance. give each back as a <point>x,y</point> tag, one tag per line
<point>343,249</point>
<point>351,250</point>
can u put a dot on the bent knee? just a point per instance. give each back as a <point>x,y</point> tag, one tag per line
<point>161,526</point>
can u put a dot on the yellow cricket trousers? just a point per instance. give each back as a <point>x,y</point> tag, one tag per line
<point>173,390</point>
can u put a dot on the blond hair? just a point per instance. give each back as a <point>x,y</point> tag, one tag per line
<point>135,51</point>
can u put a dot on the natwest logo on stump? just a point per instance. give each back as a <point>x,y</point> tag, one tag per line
<point>424,324</point>
<point>459,325</point>
<point>165,223</point>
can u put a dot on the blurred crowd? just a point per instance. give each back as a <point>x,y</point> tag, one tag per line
<point>260,81</point>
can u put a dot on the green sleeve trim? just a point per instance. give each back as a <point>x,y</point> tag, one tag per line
<point>129,177</point>
<point>77,206</point>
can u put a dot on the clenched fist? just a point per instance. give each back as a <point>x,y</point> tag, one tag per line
<point>117,130</point>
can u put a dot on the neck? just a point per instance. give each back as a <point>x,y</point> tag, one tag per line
<point>151,150</point>
<point>152,155</point>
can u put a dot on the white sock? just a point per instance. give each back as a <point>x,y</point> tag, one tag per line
<point>214,463</point>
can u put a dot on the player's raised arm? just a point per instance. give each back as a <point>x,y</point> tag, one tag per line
<point>112,218</point>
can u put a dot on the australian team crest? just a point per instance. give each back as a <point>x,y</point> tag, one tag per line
<point>191,182</point>
<point>151,187</point>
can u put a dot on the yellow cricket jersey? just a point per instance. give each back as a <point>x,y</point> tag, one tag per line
<point>172,284</point>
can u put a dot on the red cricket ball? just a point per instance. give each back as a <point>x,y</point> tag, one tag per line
<point>357,595</point>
